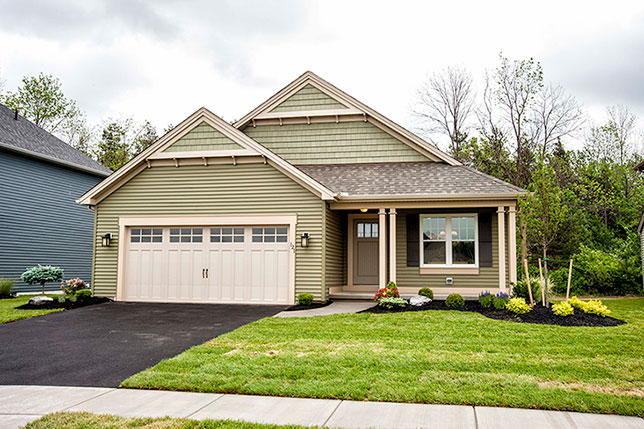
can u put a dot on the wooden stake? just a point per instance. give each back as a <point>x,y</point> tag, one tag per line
<point>543,295</point>
<point>527,281</point>
<point>569,278</point>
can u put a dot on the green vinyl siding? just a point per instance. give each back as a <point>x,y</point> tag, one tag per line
<point>308,98</point>
<point>487,279</point>
<point>203,137</point>
<point>334,248</point>
<point>212,190</point>
<point>331,143</point>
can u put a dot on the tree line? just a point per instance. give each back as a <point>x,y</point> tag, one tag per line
<point>112,143</point>
<point>584,203</point>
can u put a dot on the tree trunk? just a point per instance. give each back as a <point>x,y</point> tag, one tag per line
<point>545,270</point>
<point>43,287</point>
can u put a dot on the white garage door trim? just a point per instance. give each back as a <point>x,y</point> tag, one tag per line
<point>240,220</point>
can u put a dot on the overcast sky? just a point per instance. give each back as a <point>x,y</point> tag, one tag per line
<point>162,60</point>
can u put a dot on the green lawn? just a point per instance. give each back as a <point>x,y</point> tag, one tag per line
<point>9,313</point>
<point>96,421</point>
<point>447,357</point>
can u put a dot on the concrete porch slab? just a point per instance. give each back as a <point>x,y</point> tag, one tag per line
<point>273,410</point>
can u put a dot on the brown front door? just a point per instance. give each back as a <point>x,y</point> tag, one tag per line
<point>365,251</point>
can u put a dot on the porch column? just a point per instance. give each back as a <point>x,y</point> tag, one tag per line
<point>382,248</point>
<point>501,218</point>
<point>392,245</point>
<point>512,244</point>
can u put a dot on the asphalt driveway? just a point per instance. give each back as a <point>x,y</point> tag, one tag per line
<point>101,345</point>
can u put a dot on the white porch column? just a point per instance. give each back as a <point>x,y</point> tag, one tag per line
<point>512,244</point>
<point>392,245</point>
<point>501,221</point>
<point>382,248</point>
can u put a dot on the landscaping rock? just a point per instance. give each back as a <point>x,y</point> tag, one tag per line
<point>418,300</point>
<point>40,300</point>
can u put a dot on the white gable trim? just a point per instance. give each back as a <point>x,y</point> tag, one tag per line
<point>402,134</point>
<point>251,148</point>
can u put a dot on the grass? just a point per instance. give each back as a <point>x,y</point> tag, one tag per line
<point>67,420</point>
<point>446,357</point>
<point>9,313</point>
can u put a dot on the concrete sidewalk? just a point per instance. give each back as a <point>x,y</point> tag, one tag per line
<point>336,307</point>
<point>22,404</point>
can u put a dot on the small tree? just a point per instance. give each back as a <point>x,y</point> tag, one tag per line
<point>42,274</point>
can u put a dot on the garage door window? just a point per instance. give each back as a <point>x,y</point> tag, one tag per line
<point>226,235</point>
<point>270,235</point>
<point>186,235</point>
<point>146,235</point>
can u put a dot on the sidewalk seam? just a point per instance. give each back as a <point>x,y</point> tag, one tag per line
<point>221,395</point>
<point>476,419</point>
<point>89,399</point>
<point>332,413</point>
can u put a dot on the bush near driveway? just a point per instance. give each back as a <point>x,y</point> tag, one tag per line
<point>448,357</point>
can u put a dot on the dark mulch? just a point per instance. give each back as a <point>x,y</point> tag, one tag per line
<point>539,314</point>
<point>298,307</point>
<point>68,305</point>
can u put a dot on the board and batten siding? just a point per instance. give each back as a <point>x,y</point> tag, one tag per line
<point>40,221</point>
<point>487,279</point>
<point>335,234</point>
<point>308,98</point>
<point>203,137</point>
<point>331,143</point>
<point>212,190</point>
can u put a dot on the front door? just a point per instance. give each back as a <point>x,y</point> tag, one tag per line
<point>365,252</point>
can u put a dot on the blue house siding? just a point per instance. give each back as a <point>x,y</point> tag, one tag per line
<point>40,222</point>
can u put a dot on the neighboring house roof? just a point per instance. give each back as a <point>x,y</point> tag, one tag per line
<point>409,179</point>
<point>266,111</point>
<point>21,135</point>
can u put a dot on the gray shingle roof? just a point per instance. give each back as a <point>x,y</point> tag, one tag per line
<point>407,178</point>
<point>26,137</point>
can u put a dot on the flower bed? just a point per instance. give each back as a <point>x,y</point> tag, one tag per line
<point>298,307</point>
<point>539,314</point>
<point>68,304</point>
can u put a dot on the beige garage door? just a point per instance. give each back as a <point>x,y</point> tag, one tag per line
<point>217,264</point>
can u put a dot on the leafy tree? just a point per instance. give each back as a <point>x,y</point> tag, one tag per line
<point>121,140</point>
<point>42,274</point>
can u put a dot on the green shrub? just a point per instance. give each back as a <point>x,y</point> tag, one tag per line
<point>389,291</point>
<point>392,302</point>
<point>42,274</point>
<point>563,308</point>
<point>485,299</point>
<point>454,300</point>
<point>5,287</point>
<point>71,286</point>
<point>85,293</point>
<point>426,292</point>
<point>518,306</point>
<point>500,300</point>
<point>305,299</point>
<point>596,307</point>
<point>520,289</point>
<point>62,299</point>
<point>577,303</point>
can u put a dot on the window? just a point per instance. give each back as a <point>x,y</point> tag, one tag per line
<point>146,235</point>
<point>270,235</point>
<point>186,235</point>
<point>226,235</point>
<point>367,229</point>
<point>449,240</point>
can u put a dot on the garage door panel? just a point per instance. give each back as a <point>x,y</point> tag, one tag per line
<point>240,268</point>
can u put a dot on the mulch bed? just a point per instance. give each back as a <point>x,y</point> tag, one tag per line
<point>298,307</point>
<point>539,314</point>
<point>68,305</point>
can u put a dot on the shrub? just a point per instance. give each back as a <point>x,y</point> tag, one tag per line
<point>454,300</point>
<point>5,287</point>
<point>518,306</point>
<point>72,286</point>
<point>520,289</point>
<point>305,299</point>
<point>485,299</point>
<point>87,293</point>
<point>392,302</point>
<point>500,300</point>
<point>577,303</point>
<point>563,309</point>
<point>390,291</point>
<point>426,292</point>
<point>596,307</point>
<point>42,274</point>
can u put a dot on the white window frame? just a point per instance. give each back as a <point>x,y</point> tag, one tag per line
<point>448,241</point>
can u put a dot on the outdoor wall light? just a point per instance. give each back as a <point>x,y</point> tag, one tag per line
<point>304,240</point>
<point>364,210</point>
<point>105,240</point>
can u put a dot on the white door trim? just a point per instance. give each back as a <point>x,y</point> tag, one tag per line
<point>242,220</point>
